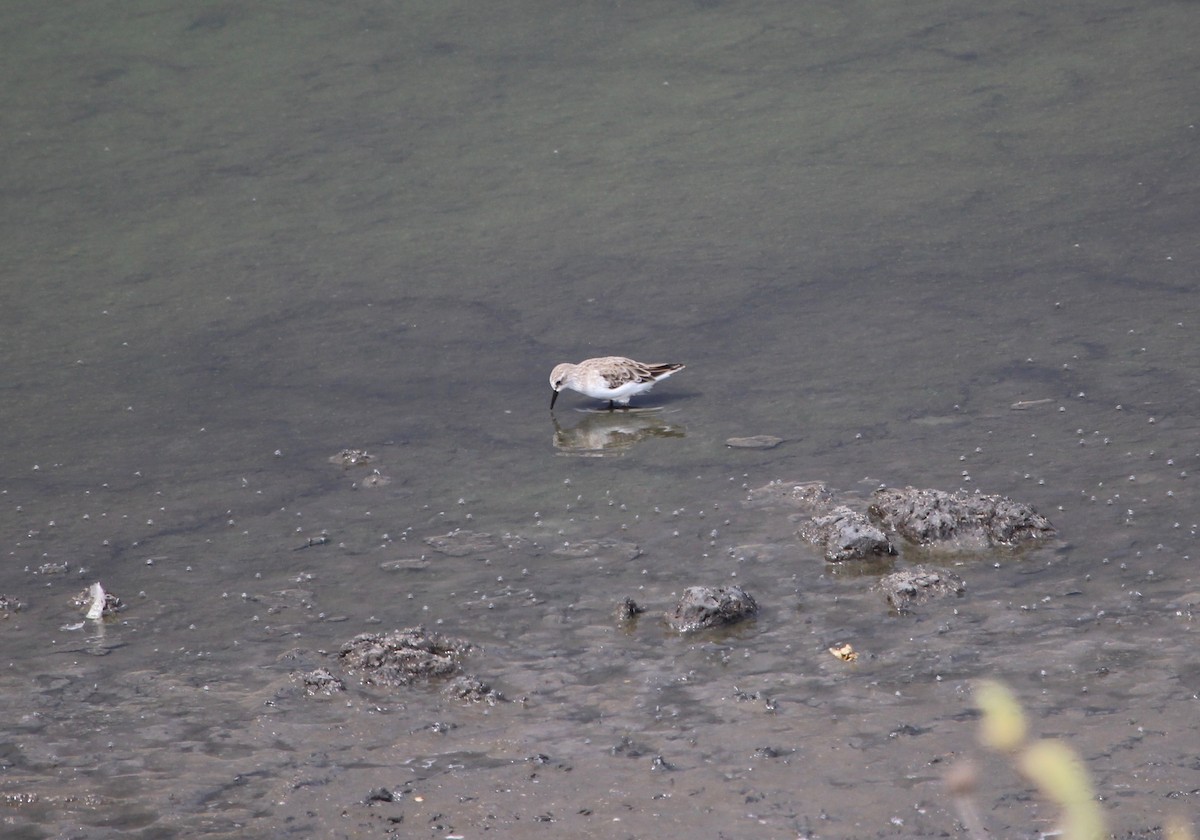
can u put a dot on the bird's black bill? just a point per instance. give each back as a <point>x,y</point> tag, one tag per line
<point>553,397</point>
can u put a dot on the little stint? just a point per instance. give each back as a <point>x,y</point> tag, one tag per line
<point>612,378</point>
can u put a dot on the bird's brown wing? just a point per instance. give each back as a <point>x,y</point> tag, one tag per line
<point>637,373</point>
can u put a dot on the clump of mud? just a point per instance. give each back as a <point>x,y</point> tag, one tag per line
<point>321,681</point>
<point>851,529</point>
<point>917,585</point>
<point>892,522</point>
<point>473,690</point>
<point>402,657</point>
<point>703,607</point>
<point>846,534</point>
<point>934,517</point>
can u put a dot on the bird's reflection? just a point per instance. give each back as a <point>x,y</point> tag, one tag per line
<point>607,432</point>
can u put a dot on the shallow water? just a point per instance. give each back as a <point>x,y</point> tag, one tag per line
<point>239,241</point>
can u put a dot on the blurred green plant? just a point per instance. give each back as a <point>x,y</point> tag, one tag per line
<point>1050,764</point>
<point>1003,726</point>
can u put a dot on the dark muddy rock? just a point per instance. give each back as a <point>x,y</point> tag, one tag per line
<point>402,656</point>
<point>703,606</point>
<point>933,517</point>
<point>629,610</point>
<point>909,587</point>
<point>321,681</point>
<point>473,690</point>
<point>924,517</point>
<point>846,534</point>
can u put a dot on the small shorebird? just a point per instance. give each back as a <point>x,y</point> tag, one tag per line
<point>612,378</point>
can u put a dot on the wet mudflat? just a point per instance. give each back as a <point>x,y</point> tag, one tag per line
<point>284,292</point>
<point>584,720</point>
